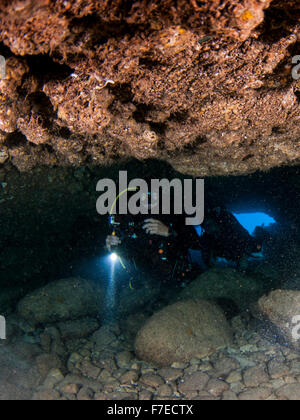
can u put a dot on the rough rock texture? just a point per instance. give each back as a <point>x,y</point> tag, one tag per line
<point>78,329</point>
<point>206,86</point>
<point>179,332</point>
<point>282,308</point>
<point>62,300</point>
<point>229,284</point>
<point>130,301</point>
<point>104,367</point>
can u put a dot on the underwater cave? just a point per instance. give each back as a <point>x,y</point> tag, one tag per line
<point>111,115</point>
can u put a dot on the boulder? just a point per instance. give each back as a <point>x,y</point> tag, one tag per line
<point>131,301</point>
<point>62,300</point>
<point>81,328</point>
<point>282,308</point>
<point>179,332</point>
<point>104,338</point>
<point>225,283</point>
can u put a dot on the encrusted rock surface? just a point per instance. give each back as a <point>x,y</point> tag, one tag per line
<point>179,332</point>
<point>227,284</point>
<point>250,369</point>
<point>62,300</point>
<point>282,308</point>
<point>206,86</point>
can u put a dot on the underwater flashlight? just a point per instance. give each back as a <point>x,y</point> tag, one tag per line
<point>113,257</point>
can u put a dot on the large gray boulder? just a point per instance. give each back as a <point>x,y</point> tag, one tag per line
<point>225,283</point>
<point>131,301</point>
<point>179,332</point>
<point>62,300</point>
<point>282,308</point>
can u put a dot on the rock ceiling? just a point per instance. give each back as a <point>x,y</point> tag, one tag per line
<point>204,85</point>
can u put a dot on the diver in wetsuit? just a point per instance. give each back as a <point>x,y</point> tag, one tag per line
<point>154,244</point>
<point>225,237</point>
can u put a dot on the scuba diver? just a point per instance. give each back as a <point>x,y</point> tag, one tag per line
<point>156,245</point>
<point>161,246</point>
<point>224,237</point>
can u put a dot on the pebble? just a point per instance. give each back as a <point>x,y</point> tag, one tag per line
<point>145,395</point>
<point>229,396</point>
<point>255,376</point>
<point>295,367</point>
<point>71,389</point>
<point>237,387</point>
<point>216,387</point>
<point>151,380</point>
<point>195,361</point>
<point>105,376</point>
<point>204,396</point>
<point>206,367</point>
<point>179,365</point>
<point>235,376</point>
<point>165,391</point>
<point>194,382</point>
<point>289,392</point>
<point>277,369</point>
<point>130,377</point>
<point>255,394</point>
<point>85,394</point>
<point>124,359</point>
<point>277,383</point>
<point>46,362</point>
<point>170,374</point>
<point>249,348</point>
<point>46,395</point>
<point>225,365</point>
<point>53,378</point>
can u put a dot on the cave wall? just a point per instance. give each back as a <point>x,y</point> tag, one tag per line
<point>203,85</point>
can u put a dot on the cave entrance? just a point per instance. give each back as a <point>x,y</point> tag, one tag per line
<point>250,221</point>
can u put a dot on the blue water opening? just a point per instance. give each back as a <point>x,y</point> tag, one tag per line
<point>199,230</point>
<point>251,220</point>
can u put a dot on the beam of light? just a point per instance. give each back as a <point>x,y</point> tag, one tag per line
<point>111,287</point>
<point>252,220</point>
<point>113,257</point>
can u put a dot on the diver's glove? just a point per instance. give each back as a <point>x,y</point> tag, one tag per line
<point>112,241</point>
<point>156,227</point>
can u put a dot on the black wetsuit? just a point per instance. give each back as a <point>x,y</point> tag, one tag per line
<point>225,237</point>
<point>156,254</point>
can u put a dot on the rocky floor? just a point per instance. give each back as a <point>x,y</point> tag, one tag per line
<point>18,373</point>
<point>103,367</point>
